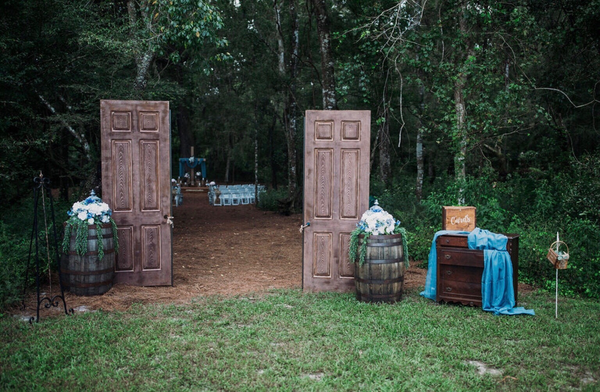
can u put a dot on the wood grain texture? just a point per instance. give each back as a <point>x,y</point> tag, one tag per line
<point>381,277</point>
<point>459,269</point>
<point>350,185</point>
<point>336,184</point>
<point>136,182</point>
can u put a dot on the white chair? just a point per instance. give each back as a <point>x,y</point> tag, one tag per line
<point>226,196</point>
<point>217,197</point>
<point>249,194</point>
<point>235,195</point>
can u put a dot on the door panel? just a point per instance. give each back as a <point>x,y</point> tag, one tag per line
<point>136,185</point>
<point>336,192</point>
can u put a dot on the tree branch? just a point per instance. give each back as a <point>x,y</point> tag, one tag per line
<point>563,93</point>
<point>80,137</point>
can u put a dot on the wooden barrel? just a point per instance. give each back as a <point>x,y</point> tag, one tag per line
<point>381,277</point>
<point>87,275</point>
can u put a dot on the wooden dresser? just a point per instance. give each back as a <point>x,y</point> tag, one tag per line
<point>459,269</point>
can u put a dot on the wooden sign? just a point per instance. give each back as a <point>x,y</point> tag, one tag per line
<point>458,218</point>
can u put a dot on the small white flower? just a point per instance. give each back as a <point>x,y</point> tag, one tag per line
<point>82,215</point>
<point>91,221</point>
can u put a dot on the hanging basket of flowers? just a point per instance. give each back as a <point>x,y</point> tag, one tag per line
<point>89,244</point>
<point>558,258</point>
<point>378,247</point>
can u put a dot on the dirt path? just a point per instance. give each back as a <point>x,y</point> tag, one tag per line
<point>232,250</point>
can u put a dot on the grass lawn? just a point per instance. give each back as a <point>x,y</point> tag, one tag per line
<point>288,340</point>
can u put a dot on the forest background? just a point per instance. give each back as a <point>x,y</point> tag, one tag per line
<point>486,103</point>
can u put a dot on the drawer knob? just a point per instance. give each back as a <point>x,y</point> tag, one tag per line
<point>448,289</point>
<point>448,272</point>
<point>447,241</point>
<point>447,257</point>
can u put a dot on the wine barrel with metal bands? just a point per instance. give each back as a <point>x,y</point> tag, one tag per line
<point>88,275</point>
<point>381,277</point>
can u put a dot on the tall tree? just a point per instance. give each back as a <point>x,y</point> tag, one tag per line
<point>327,59</point>
<point>163,26</point>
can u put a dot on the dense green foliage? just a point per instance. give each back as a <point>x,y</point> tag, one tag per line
<point>293,341</point>
<point>492,104</point>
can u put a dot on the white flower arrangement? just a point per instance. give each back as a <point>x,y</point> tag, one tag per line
<point>91,211</point>
<point>375,221</point>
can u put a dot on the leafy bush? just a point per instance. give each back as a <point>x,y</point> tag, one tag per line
<point>535,208</point>
<point>268,200</point>
<point>15,238</point>
<point>13,253</point>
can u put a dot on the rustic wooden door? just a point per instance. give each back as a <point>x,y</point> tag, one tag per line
<point>336,193</point>
<point>136,168</point>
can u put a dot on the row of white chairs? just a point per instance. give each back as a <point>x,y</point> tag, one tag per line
<point>233,195</point>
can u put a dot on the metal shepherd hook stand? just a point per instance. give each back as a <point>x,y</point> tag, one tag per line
<point>41,186</point>
<point>560,260</point>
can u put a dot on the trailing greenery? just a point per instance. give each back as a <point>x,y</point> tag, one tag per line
<point>288,340</point>
<point>81,231</point>
<point>359,240</point>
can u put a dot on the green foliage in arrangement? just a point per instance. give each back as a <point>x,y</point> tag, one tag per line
<point>375,221</point>
<point>289,340</point>
<point>91,211</point>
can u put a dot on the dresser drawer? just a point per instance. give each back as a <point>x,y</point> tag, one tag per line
<point>459,269</point>
<point>466,293</point>
<point>464,257</point>
<point>454,241</point>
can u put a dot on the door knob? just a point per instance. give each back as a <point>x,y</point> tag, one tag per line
<point>302,227</point>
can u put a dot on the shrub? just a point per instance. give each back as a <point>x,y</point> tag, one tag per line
<point>532,207</point>
<point>268,200</point>
<point>15,238</point>
<point>13,253</point>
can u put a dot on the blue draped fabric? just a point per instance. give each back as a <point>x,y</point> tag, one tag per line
<point>497,290</point>
<point>496,282</point>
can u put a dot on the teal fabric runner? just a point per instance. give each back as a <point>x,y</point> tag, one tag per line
<point>496,282</point>
<point>497,290</point>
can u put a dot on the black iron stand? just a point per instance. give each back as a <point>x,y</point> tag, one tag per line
<point>41,186</point>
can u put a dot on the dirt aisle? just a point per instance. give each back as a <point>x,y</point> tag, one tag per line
<point>227,251</point>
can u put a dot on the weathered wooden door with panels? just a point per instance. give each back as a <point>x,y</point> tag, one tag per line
<point>336,193</point>
<point>136,170</point>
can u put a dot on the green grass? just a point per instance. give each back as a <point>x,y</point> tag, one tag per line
<point>288,340</point>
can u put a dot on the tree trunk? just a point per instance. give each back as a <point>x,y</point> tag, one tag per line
<point>143,65</point>
<point>384,143</point>
<point>144,55</point>
<point>290,73</point>
<point>186,139</point>
<point>77,135</point>
<point>327,63</point>
<point>461,112</point>
<point>274,165</point>
<point>228,164</point>
<point>419,152</point>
